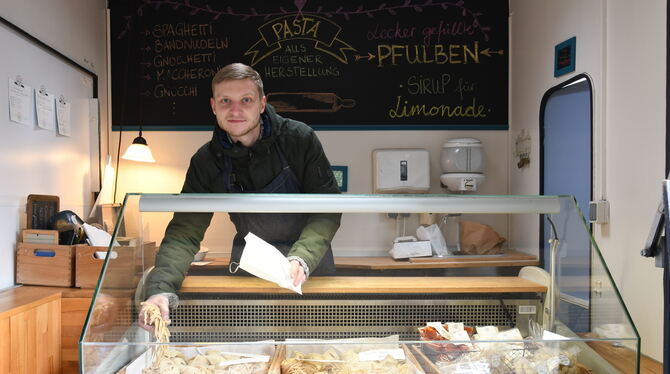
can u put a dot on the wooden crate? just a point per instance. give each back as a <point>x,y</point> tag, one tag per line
<point>45,264</point>
<point>39,236</point>
<point>88,267</point>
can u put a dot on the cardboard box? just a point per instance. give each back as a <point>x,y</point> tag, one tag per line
<point>45,264</point>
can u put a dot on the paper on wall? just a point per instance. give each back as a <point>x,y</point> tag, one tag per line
<point>19,102</point>
<point>63,117</point>
<point>263,260</point>
<point>45,109</point>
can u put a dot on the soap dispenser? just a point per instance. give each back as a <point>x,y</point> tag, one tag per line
<point>462,161</point>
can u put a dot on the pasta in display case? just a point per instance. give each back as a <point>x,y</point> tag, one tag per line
<point>531,294</point>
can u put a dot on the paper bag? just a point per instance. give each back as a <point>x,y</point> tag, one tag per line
<point>265,261</point>
<point>437,241</point>
<point>479,239</point>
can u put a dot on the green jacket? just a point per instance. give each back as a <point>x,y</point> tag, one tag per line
<point>305,156</point>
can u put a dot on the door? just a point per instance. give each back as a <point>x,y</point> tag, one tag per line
<point>566,169</point>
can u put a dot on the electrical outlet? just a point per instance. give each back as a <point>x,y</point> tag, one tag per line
<point>396,215</point>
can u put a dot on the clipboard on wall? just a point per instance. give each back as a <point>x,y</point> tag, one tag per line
<point>39,209</point>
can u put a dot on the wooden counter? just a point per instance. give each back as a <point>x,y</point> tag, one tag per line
<point>349,285</point>
<point>510,258</point>
<point>12,301</point>
<point>19,299</point>
<point>30,330</point>
<point>41,319</point>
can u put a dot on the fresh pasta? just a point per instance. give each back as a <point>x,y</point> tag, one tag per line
<point>171,361</point>
<point>153,317</point>
<point>212,362</point>
<point>331,362</point>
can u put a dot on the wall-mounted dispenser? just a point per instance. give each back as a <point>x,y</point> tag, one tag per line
<point>399,170</point>
<point>462,162</point>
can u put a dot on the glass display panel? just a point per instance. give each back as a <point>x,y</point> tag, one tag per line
<point>477,298</point>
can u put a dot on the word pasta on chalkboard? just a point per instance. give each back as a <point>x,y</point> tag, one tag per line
<point>406,64</point>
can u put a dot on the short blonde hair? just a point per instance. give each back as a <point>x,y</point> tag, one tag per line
<point>236,71</point>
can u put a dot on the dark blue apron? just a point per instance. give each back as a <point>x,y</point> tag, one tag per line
<point>278,229</point>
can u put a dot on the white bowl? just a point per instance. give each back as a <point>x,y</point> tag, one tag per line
<point>201,254</point>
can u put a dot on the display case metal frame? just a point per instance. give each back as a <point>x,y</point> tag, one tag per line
<point>111,337</point>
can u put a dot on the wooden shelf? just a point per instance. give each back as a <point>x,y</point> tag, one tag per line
<point>621,357</point>
<point>358,285</point>
<point>509,259</point>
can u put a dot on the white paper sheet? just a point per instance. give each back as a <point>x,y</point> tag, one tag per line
<point>97,237</point>
<point>63,117</point>
<point>265,261</point>
<point>380,354</point>
<point>200,263</point>
<point>44,106</point>
<point>548,335</point>
<point>19,102</point>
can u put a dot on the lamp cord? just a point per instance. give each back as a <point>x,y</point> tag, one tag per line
<point>116,174</point>
<point>123,119</point>
<point>553,241</point>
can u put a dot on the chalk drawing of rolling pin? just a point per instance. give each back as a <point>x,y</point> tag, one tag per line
<point>308,102</point>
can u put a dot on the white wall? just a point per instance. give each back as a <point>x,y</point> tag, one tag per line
<point>635,156</point>
<point>621,46</point>
<point>173,151</point>
<point>77,30</point>
<point>536,27</point>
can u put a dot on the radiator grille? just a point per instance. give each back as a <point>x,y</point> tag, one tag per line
<point>248,320</point>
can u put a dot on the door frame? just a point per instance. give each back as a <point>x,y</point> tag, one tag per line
<point>543,104</point>
<point>545,98</point>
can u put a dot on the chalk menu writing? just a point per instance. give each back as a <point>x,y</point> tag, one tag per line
<point>367,64</point>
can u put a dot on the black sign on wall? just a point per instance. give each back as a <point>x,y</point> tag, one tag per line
<point>381,64</point>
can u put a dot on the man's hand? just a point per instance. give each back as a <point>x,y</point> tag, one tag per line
<point>297,273</point>
<point>162,303</point>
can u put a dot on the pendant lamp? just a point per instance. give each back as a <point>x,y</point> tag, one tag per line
<point>139,151</point>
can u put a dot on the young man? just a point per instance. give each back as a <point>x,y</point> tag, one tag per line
<point>253,150</point>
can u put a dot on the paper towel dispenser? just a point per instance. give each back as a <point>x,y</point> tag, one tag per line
<point>401,170</point>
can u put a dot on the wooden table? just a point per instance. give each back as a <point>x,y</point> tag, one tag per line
<point>354,285</point>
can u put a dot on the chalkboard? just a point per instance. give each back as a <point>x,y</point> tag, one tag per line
<point>40,209</point>
<point>407,64</point>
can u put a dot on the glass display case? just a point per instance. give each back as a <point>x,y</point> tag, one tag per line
<point>509,284</point>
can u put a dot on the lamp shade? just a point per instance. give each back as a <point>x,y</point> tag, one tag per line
<point>139,151</point>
